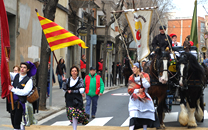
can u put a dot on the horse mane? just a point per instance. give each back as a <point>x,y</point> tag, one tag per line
<point>195,67</point>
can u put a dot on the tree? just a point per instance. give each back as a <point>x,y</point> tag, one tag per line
<point>107,25</point>
<point>49,12</point>
<point>117,42</point>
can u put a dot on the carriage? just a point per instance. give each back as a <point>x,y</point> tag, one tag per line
<point>182,80</point>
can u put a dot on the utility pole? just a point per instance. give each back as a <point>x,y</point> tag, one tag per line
<point>88,56</point>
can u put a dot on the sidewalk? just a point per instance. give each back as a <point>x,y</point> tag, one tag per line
<point>58,104</point>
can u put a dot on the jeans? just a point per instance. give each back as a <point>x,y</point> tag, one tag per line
<point>60,80</point>
<point>94,104</point>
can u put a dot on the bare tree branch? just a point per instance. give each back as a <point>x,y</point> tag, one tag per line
<point>103,9</point>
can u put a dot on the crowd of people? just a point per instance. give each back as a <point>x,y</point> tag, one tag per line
<point>141,108</point>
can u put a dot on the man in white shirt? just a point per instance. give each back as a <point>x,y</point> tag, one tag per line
<point>22,85</point>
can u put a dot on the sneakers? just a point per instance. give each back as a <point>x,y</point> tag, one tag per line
<point>88,116</point>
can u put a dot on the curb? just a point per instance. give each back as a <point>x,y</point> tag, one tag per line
<point>52,110</point>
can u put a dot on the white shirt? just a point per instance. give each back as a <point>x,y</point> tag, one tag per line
<point>73,82</point>
<point>145,83</point>
<point>26,90</point>
<point>178,44</point>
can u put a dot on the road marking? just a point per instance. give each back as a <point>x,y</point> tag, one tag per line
<point>171,117</point>
<point>99,121</point>
<point>205,114</point>
<point>126,123</point>
<point>120,94</point>
<point>61,123</point>
<point>51,117</point>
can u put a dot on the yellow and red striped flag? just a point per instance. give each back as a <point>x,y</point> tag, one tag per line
<point>57,36</point>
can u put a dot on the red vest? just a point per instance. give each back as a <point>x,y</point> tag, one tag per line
<point>100,68</point>
<point>87,83</point>
<point>82,65</point>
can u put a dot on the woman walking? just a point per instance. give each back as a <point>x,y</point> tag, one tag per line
<point>74,87</point>
<point>141,107</point>
<point>60,71</point>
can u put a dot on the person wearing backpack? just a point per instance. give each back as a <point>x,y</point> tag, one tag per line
<point>21,87</point>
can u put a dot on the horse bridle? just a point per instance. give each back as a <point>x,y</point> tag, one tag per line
<point>185,76</point>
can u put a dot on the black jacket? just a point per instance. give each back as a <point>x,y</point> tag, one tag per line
<point>161,41</point>
<point>53,77</point>
<point>60,70</point>
<point>73,99</point>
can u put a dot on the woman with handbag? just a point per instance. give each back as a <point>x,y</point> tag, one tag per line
<point>74,87</point>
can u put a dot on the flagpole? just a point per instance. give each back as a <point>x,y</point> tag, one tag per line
<point>133,5</point>
<point>51,81</point>
<point>136,9</point>
<point>11,94</point>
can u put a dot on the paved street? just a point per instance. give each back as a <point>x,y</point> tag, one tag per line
<point>112,113</point>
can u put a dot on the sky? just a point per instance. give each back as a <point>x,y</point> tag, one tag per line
<point>185,8</point>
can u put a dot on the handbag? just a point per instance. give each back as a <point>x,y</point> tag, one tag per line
<point>33,95</point>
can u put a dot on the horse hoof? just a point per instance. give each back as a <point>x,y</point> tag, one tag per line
<point>191,127</point>
<point>162,126</point>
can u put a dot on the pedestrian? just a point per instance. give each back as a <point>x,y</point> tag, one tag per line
<point>16,69</point>
<point>83,66</point>
<point>48,79</point>
<point>100,67</point>
<point>74,87</point>
<point>94,87</point>
<point>174,40</point>
<point>35,85</point>
<point>205,61</point>
<point>160,40</point>
<point>21,87</point>
<point>141,107</point>
<point>60,71</point>
<point>143,63</point>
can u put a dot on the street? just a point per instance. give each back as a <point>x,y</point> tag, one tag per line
<point>113,111</point>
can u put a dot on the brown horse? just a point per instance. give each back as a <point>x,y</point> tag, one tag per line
<point>159,81</point>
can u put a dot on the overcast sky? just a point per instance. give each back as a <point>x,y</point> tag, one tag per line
<point>185,8</point>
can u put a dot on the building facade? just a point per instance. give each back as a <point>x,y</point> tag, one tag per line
<point>182,28</point>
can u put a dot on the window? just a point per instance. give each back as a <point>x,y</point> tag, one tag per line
<point>202,40</point>
<point>202,27</point>
<point>100,19</point>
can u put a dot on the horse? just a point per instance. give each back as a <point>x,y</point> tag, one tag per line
<point>159,81</point>
<point>191,81</point>
<point>146,67</point>
<point>127,71</point>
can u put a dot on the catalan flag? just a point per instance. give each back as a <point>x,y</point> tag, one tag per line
<point>57,36</point>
